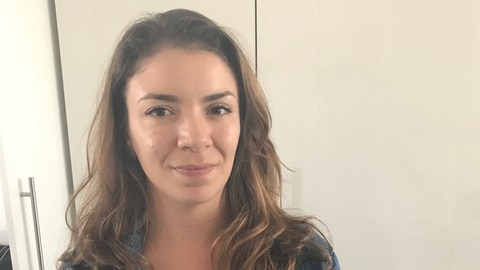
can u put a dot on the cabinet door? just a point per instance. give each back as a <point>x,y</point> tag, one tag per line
<point>32,133</point>
<point>88,31</point>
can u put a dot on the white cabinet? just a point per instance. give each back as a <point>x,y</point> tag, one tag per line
<point>32,134</point>
<point>88,32</point>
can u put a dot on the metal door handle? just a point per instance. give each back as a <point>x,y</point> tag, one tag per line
<point>36,223</point>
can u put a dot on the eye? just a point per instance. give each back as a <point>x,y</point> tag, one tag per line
<point>219,109</point>
<point>158,112</point>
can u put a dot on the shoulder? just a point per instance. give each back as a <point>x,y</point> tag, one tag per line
<point>315,263</point>
<point>311,264</point>
<point>133,246</point>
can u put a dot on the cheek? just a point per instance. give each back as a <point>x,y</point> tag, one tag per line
<point>230,137</point>
<point>144,141</point>
<point>154,143</point>
<point>159,144</point>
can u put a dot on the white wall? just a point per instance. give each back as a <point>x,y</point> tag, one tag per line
<point>377,104</point>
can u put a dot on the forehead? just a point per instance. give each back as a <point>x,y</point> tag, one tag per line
<point>171,69</point>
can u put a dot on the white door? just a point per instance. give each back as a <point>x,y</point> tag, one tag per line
<point>32,141</point>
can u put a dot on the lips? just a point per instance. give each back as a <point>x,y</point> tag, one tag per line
<point>195,170</point>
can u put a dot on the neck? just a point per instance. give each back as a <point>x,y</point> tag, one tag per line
<point>176,223</point>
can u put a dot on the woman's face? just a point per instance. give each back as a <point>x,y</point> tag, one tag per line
<point>184,124</point>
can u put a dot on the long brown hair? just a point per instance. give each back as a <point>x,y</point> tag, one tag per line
<point>259,235</point>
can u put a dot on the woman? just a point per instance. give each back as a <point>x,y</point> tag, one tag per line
<point>183,174</point>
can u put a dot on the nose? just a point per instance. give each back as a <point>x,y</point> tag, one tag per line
<point>194,134</point>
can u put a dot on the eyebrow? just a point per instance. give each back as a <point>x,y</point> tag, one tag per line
<point>169,98</point>
<point>172,98</point>
<point>216,96</point>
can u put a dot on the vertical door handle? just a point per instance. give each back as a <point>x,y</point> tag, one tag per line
<point>36,223</point>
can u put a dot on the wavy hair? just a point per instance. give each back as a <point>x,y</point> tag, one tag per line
<point>259,234</point>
